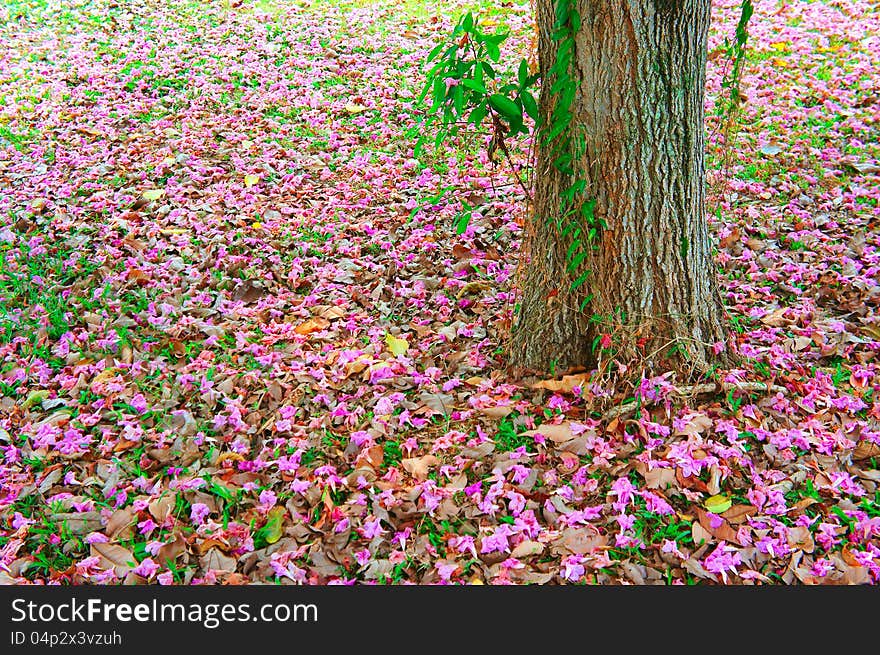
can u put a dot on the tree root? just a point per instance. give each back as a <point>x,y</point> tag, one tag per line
<point>695,390</point>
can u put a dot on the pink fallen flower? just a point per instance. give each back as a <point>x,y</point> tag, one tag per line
<point>723,560</point>
<point>198,512</point>
<point>147,568</point>
<point>573,568</point>
<point>445,570</point>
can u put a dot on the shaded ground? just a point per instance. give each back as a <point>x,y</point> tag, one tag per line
<point>240,339</point>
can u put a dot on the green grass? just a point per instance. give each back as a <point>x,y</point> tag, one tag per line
<point>508,439</point>
<point>392,454</point>
<point>18,140</point>
<point>31,284</point>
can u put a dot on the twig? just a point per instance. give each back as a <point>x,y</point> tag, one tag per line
<point>694,390</point>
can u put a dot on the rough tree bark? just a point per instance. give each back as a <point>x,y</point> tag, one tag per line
<point>641,67</point>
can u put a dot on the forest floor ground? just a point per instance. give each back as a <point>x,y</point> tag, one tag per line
<point>241,338</point>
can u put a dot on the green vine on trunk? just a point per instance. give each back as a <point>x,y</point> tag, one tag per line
<point>576,219</point>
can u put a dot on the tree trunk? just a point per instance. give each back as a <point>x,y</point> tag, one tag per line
<point>641,67</point>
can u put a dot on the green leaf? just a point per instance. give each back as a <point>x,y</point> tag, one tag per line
<point>559,126</point>
<point>558,86</point>
<point>562,162</point>
<point>576,187</point>
<point>221,491</point>
<point>458,98</point>
<point>567,97</point>
<point>435,52</point>
<point>35,397</point>
<point>574,244</point>
<point>425,91</point>
<point>517,126</point>
<point>587,209</point>
<point>718,504</point>
<point>474,85</point>
<point>467,22</point>
<point>506,107</point>
<point>435,70</point>
<point>576,261</point>
<point>396,345</point>
<point>563,54</point>
<point>439,92</point>
<point>274,527</point>
<point>562,10</point>
<point>581,279</point>
<point>529,104</point>
<point>478,114</point>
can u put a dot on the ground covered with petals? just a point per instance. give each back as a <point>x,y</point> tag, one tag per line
<point>242,341</point>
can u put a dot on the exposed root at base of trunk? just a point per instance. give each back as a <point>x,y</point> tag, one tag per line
<point>696,390</point>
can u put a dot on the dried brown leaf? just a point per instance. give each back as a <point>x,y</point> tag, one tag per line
<point>581,541</point>
<point>171,551</point>
<point>527,549</point>
<point>113,556</point>
<point>566,384</point>
<point>866,449</point>
<point>723,532</point>
<point>215,560</point>
<point>418,466</point>
<point>660,478</point>
<point>557,433</point>
<point>248,291</point>
<point>312,325</point>
<point>498,412</point>
<point>739,513</point>
<point>120,523</point>
<point>161,507</point>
